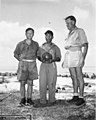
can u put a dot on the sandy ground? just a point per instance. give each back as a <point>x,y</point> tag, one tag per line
<point>12,84</point>
<point>10,97</point>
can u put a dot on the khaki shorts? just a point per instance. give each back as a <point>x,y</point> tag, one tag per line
<point>27,71</point>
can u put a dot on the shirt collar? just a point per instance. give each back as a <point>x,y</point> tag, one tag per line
<point>73,30</point>
<point>24,42</point>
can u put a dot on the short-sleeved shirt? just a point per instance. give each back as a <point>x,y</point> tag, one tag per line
<point>52,49</point>
<point>25,51</point>
<point>76,38</point>
<point>74,42</point>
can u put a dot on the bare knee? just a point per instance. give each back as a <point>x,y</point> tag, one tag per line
<point>30,83</point>
<point>80,79</point>
<point>73,76</point>
<point>22,83</point>
<point>73,73</point>
<point>80,75</point>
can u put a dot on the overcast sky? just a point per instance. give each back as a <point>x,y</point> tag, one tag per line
<point>17,15</point>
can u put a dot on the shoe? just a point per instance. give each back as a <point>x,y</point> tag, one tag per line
<point>22,102</point>
<point>73,100</point>
<point>29,101</point>
<point>51,103</point>
<point>80,102</point>
<point>37,105</point>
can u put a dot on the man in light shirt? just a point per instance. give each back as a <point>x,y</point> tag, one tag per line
<point>76,46</point>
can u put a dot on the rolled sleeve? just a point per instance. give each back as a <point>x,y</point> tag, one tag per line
<point>39,52</point>
<point>82,37</point>
<point>58,52</point>
<point>17,50</point>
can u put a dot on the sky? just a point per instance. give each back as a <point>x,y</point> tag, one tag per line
<point>41,15</point>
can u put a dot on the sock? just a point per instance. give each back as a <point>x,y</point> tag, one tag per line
<point>81,97</point>
<point>75,94</point>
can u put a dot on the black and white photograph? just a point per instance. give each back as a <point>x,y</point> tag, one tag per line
<point>47,60</point>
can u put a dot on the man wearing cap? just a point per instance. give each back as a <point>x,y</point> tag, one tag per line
<point>48,54</point>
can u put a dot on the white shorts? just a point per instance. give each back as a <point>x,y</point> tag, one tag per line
<point>73,59</point>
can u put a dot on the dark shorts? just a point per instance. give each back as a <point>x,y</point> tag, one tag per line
<point>27,71</point>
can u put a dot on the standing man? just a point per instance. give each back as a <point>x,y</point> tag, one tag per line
<point>26,53</point>
<point>76,46</point>
<point>49,54</point>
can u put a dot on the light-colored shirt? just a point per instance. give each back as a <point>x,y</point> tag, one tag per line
<point>76,38</point>
<point>73,45</point>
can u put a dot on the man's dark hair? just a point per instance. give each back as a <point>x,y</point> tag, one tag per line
<point>29,29</point>
<point>71,18</point>
<point>49,32</point>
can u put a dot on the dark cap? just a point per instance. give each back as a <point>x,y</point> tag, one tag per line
<point>49,32</point>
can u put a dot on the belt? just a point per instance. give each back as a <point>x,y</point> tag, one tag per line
<point>74,48</point>
<point>28,60</point>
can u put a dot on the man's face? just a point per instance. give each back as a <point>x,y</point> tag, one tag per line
<point>70,24</point>
<point>48,37</point>
<point>29,34</point>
